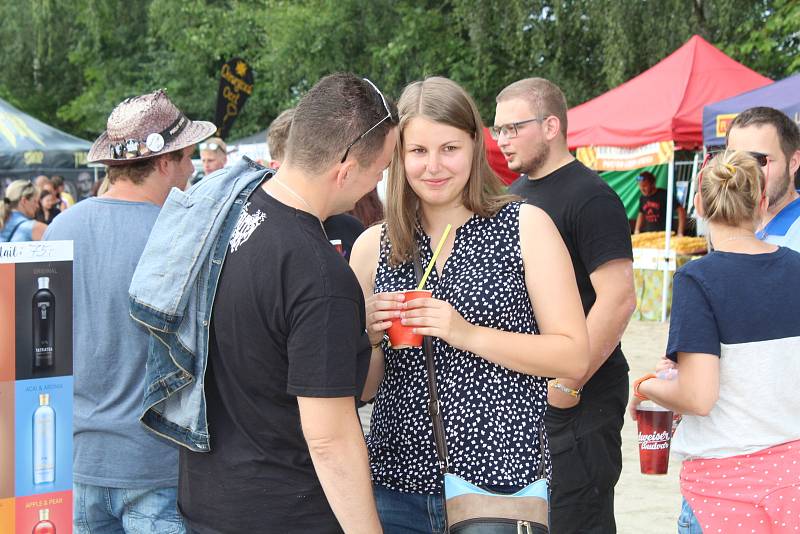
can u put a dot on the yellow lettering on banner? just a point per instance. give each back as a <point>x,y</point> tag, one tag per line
<point>11,123</point>
<point>723,123</point>
<point>80,158</point>
<point>33,157</point>
<point>238,84</point>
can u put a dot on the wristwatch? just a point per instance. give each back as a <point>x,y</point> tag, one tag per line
<point>564,389</point>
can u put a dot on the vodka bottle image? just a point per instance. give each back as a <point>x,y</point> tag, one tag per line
<point>44,526</point>
<point>44,442</point>
<point>44,325</point>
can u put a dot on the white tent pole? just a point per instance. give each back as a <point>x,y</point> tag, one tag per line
<point>670,200</point>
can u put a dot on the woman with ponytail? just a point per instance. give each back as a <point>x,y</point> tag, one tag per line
<point>17,211</point>
<point>735,337</point>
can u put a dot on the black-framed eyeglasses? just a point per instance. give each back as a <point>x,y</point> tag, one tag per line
<point>510,129</point>
<point>387,117</point>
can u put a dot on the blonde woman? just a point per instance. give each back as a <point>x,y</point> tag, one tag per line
<point>504,314</point>
<point>735,335</point>
<point>18,211</point>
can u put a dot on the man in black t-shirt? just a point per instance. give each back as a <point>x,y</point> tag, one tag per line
<point>584,418</point>
<point>653,207</point>
<point>340,227</point>
<point>288,350</point>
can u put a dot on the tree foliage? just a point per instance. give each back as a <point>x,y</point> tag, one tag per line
<point>68,62</point>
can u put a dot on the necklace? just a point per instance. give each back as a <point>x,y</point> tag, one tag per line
<point>301,199</point>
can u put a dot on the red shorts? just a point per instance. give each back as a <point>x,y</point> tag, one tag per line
<point>757,492</point>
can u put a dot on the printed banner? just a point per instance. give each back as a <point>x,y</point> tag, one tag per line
<point>36,387</point>
<point>235,86</point>
<point>723,121</point>
<point>613,158</point>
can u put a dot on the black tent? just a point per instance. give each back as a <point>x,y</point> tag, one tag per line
<point>29,147</point>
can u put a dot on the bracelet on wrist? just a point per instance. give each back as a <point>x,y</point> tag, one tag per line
<point>638,382</point>
<point>568,390</point>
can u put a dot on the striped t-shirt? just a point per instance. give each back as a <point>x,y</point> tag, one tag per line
<point>744,308</point>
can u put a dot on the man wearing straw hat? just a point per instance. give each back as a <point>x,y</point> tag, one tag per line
<point>125,478</point>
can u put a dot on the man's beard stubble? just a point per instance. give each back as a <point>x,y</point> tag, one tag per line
<point>537,161</point>
<point>779,188</point>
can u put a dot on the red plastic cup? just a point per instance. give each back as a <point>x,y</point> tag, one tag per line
<point>401,336</point>
<point>337,244</point>
<point>655,433</point>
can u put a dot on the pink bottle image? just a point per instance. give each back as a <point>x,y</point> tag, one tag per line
<point>44,526</point>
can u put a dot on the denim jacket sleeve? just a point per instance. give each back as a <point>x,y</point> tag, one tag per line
<point>171,295</point>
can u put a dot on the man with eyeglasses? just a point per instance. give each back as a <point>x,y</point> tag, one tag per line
<point>288,349</point>
<point>584,417</point>
<point>341,228</point>
<point>774,140</point>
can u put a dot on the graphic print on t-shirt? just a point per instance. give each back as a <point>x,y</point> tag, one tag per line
<point>245,226</point>
<point>652,211</point>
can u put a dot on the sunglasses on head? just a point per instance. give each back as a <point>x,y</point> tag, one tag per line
<point>761,158</point>
<point>387,117</point>
<point>211,146</point>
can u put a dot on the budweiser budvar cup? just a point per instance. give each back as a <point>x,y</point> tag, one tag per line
<point>655,432</point>
<point>401,336</point>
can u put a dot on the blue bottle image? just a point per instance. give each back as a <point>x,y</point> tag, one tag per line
<point>44,442</point>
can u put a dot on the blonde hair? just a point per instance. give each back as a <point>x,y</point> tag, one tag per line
<point>16,191</point>
<point>731,188</point>
<point>444,101</point>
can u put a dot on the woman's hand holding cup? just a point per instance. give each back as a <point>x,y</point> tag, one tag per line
<point>436,318</point>
<point>381,308</point>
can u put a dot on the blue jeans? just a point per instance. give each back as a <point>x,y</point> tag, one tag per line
<point>101,510</point>
<point>409,513</point>
<point>687,522</point>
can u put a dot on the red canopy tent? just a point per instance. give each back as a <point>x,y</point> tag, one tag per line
<point>658,111</point>
<point>664,103</point>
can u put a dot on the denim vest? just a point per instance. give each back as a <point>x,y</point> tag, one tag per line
<point>172,295</point>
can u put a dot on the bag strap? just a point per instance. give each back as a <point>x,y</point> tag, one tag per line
<point>434,408</point>
<point>14,230</point>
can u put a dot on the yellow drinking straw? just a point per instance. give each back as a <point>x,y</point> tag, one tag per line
<point>435,255</point>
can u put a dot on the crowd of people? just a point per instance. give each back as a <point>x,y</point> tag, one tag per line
<point>235,387</point>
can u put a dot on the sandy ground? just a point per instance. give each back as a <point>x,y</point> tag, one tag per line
<point>644,503</point>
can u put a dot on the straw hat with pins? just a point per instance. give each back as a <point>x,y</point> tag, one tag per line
<point>146,126</point>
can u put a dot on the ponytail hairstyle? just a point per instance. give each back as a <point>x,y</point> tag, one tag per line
<point>732,188</point>
<point>16,191</point>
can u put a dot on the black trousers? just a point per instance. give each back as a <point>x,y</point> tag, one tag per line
<point>586,449</point>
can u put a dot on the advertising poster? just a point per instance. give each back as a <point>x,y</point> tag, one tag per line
<point>36,387</point>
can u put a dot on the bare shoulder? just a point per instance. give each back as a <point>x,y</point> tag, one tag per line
<point>366,249</point>
<point>533,219</point>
